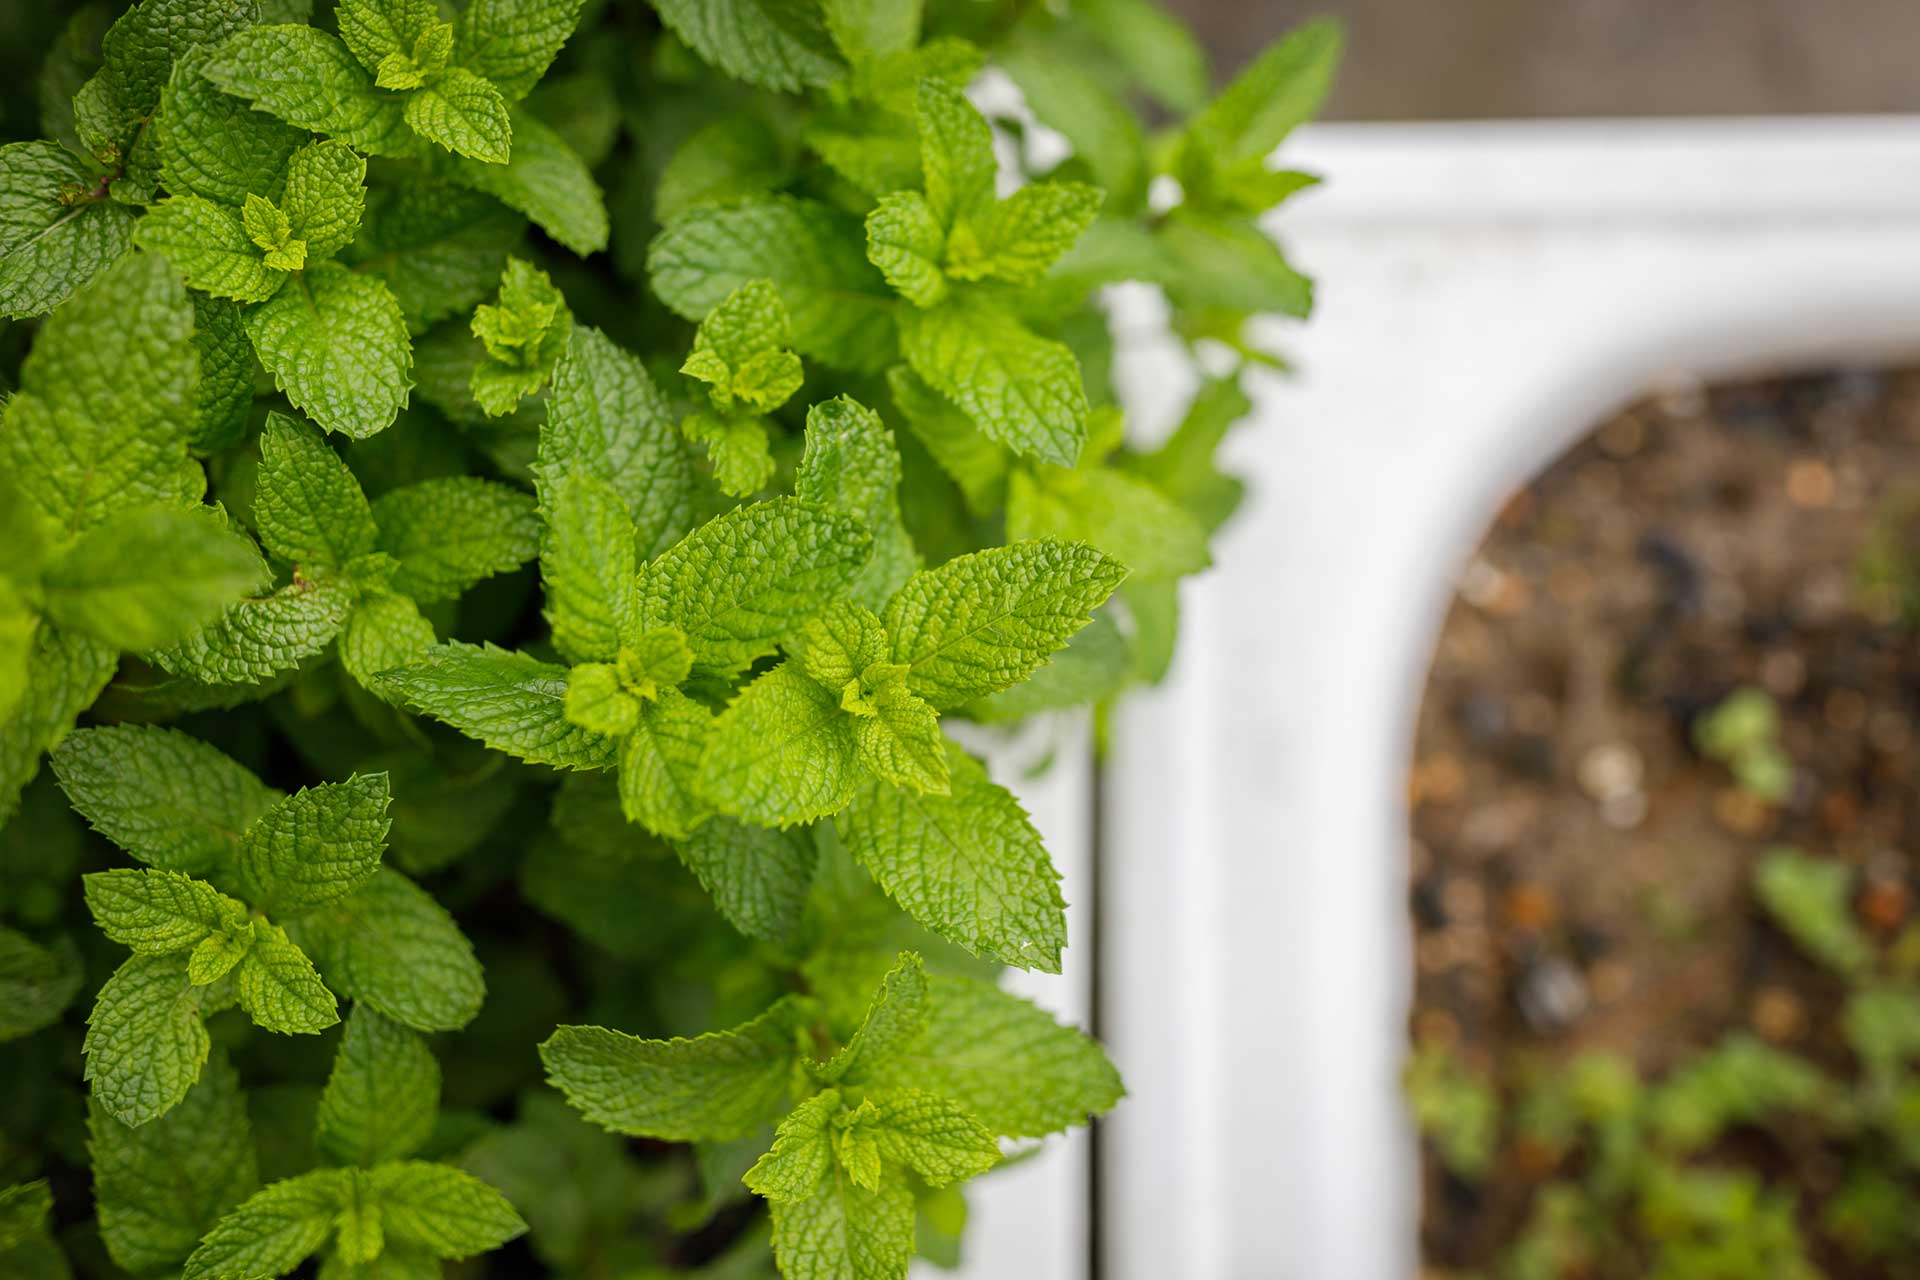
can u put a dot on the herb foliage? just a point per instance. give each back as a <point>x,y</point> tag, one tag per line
<point>504,503</point>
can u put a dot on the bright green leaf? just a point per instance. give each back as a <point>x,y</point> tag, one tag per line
<point>337,346</point>
<point>725,1084</point>
<point>383,1093</point>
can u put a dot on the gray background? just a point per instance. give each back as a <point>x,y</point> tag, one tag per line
<point>1452,59</point>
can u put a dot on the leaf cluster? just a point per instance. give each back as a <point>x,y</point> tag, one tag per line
<point>518,515</point>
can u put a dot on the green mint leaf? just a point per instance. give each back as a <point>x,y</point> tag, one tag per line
<point>450,533</point>
<point>310,79</point>
<point>906,241</point>
<point>740,351</point>
<point>309,507</point>
<point>587,566</point>
<point>211,248</point>
<point>25,1214</point>
<point>385,631</point>
<point>273,1230</point>
<point>598,701</point>
<point>802,1151</point>
<point>159,912</point>
<point>879,155</point>
<point>656,661</point>
<point>739,154</point>
<point>739,583</point>
<point>984,621</point>
<point>838,304</point>
<point>214,145</point>
<point>372,29</point>
<point>216,955</point>
<point>759,878</point>
<point>464,113</point>
<point>901,741</point>
<point>967,865</point>
<point>1155,47</point>
<point>160,1187</point>
<point>19,623</point>
<point>278,987</point>
<point>841,645</point>
<point>1019,388</point>
<point>392,946</point>
<point>510,702</point>
<point>1098,122</point>
<point>337,347</point>
<point>272,233</point>
<point>326,196</point>
<point>439,247</point>
<point>1004,1060</point>
<point>55,233</point>
<point>170,800</point>
<point>317,845</point>
<point>1109,251</point>
<point>544,178</point>
<point>521,322</point>
<point>1094,666</point>
<point>225,394</point>
<point>137,53</point>
<point>261,637</point>
<point>36,983</point>
<point>1019,238</point>
<point>975,463</point>
<point>606,418</point>
<point>858,1152</point>
<point>145,1042</point>
<point>104,583</point>
<point>845,1232</point>
<point>432,51</point>
<point>868,30</point>
<point>896,1020</point>
<point>1280,89</point>
<point>725,1084</point>
<point>395,1262</point>
<point>660,764</point>
<point>956,152</point>
<point>764,42</point>
<point>360,1230</point>
<point>442,1210</point>
<point>382,1095</point>
<point>933,1136</point>
<point>852,464</point>
<point>106,396</point>
<point>1229,262</point>
<point>1128,519</point>
<point>1183,467</point>
<point>71,59</point>
<point>783,752</point>
<point>65,673</point>
<point>512,42</point>
<point>738,447</point>
<point>525,333</point>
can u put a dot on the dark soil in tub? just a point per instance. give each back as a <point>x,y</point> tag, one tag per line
<point>1584,874</point>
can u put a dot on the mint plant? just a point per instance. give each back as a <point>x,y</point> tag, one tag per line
<point>518,513</point>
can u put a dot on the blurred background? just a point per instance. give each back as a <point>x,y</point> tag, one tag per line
<point>1468,59</point>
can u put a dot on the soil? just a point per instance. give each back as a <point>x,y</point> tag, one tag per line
<point>1580,873</point>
